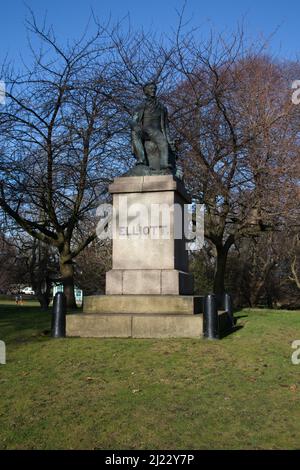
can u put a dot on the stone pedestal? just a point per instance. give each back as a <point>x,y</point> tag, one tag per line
<point>147,257</point>
<point>148,290</point>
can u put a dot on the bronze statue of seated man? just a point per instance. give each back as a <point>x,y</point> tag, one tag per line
<point>151,143</point>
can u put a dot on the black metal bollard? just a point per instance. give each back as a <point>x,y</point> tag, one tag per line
<point>210,317</point>
<point>229,307</point>
<point>58,326</point>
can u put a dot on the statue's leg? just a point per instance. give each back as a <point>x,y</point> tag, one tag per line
<point>159,139</point>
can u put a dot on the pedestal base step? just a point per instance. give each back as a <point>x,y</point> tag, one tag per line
<point>143,304</point>
<point>134,326</point>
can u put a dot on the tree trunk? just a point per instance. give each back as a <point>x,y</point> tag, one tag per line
<point>43,291</point>
<point>43,300</point>
<point>67,275</point>
<point>220,269</point>
<point>41,285</point>
<point>260,283</point>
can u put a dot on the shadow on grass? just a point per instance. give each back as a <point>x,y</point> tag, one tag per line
<point>16,321</point>
<point>231,331</point>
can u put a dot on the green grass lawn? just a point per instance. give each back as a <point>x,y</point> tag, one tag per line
<point>240,392</point>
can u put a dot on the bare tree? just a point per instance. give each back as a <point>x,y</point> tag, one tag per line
<point>232,111</point>
<point>11,272</point>
<point>59,131</point>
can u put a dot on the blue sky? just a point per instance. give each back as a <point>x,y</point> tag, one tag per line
<point>260,18</point>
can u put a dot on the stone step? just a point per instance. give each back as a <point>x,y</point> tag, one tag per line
<point>134,326</point>
<point>143,304</point>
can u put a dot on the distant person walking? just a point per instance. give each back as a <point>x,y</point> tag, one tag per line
<point>19,299</point>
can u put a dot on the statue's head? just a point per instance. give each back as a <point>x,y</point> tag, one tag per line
<point>150,89</point>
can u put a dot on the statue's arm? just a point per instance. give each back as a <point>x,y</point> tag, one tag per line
<point>136,119</point>
<point>137,146</point>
